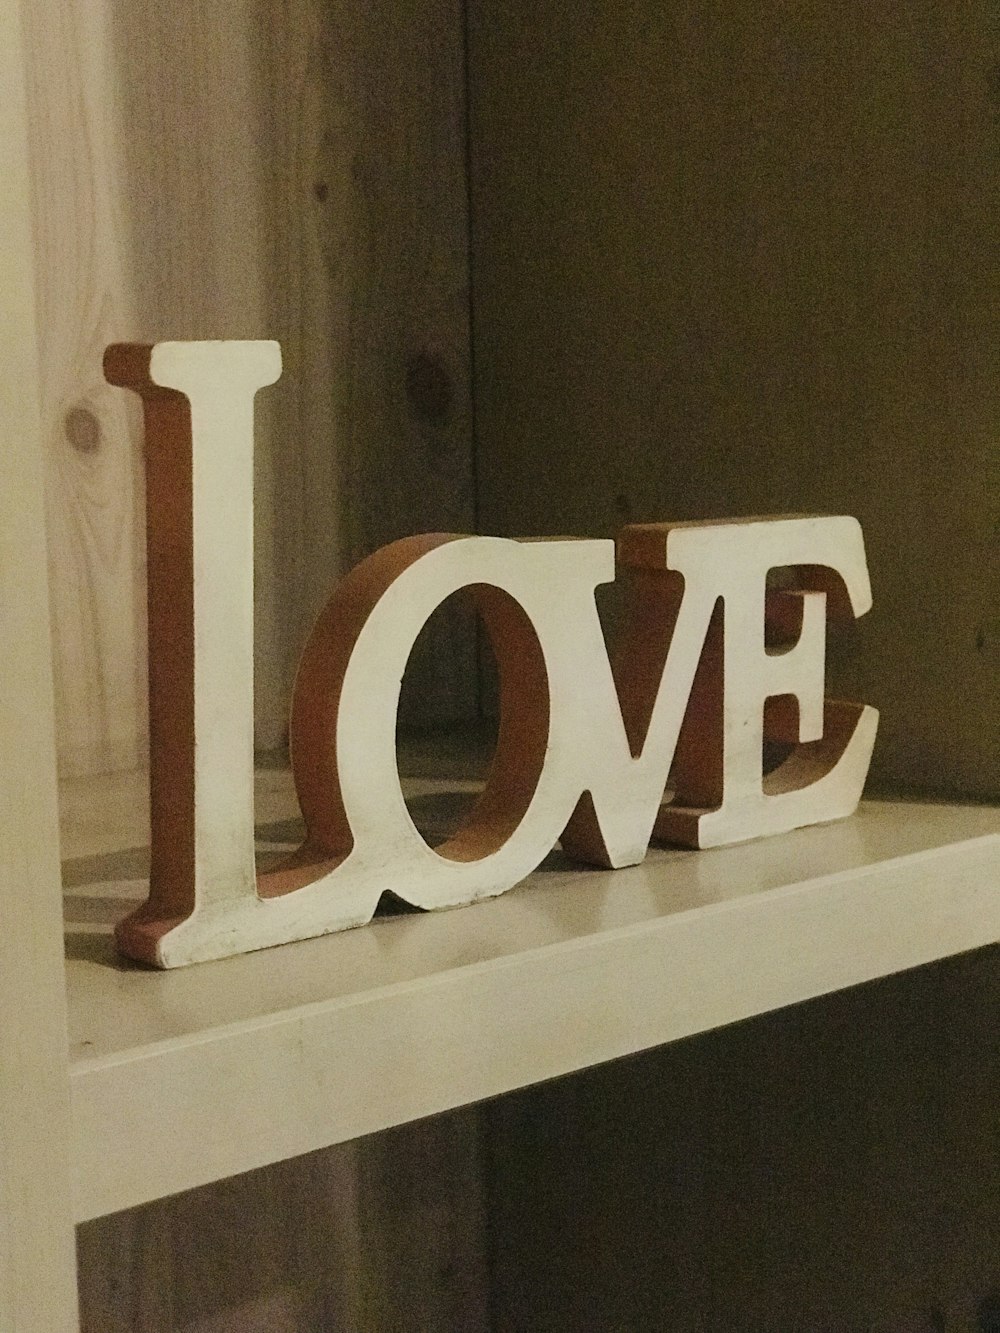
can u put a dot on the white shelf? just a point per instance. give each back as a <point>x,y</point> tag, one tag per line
<point>184,1077</point>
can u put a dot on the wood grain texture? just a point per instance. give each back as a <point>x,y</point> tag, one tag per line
<point>739,259</point>
<point>380,1234</point>
<point>93,464</point>
<point>830,1166</point>
<point>236,170</point>
<point>36,1235</point>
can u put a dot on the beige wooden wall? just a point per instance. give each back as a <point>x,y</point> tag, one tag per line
<point>234,168</point>
<point>742,258</point>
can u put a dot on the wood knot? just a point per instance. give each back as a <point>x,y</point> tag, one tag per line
<point>83,430</point>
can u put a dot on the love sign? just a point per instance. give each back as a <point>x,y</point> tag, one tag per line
<point>715,658</point>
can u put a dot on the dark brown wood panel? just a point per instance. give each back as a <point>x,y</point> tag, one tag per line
<point>742,258</point>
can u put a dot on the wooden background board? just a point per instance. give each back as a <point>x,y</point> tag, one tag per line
<point>236,170</point>
<point>382,1234</point>
<point>736,259</point>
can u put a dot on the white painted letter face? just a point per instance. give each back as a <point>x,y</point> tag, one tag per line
<point>711,664</point>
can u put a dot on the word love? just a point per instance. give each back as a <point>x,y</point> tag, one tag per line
<point>712,662</point>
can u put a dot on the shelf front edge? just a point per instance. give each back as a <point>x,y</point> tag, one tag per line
<point>168,1117</point>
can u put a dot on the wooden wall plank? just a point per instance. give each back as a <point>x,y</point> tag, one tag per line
<point>93,466</point>
<point>378,1235</point>
<point>239,169</point>
<point>742,259</point>
<point>37,1290</point>
<point>379,444</point>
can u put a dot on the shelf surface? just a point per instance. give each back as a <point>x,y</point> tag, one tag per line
<point>183,1077</point>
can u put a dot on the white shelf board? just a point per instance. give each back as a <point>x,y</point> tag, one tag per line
<point>184,1077</point>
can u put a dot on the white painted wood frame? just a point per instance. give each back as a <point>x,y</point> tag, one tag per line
<point>37,1262</point>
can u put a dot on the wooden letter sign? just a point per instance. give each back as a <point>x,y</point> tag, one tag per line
<point>711,664</point>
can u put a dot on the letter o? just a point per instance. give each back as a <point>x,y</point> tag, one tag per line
<point>343,726</point>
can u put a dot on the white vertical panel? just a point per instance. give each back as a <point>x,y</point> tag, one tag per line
<point>37,1264</point>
